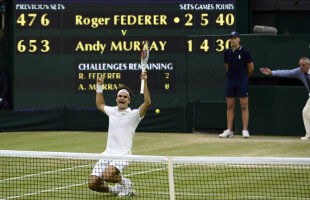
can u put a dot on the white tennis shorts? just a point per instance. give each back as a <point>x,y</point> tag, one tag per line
<point>101,165</point>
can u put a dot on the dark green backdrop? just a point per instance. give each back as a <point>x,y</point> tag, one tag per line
<point>274,108</point>
<point>44,96</point>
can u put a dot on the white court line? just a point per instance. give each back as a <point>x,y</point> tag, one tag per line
<point>69,186</point>
<point>247,166</point>
<point>43,191</point>
<point>31,175</point>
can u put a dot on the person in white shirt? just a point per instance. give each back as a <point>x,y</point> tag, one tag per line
<point>122,126</point>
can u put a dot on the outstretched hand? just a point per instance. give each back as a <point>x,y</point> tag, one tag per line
<point>265,71</point>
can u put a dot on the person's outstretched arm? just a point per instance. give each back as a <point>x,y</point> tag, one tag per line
<point>147,98</point>
<point>99,96</point>
<point>287,73</point>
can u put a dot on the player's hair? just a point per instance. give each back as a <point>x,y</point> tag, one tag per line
<point>126,88</point>
<point>306,59</point>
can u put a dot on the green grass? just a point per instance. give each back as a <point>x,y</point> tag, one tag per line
<point>63,179</point>
<point>170,144</point>
<point>67,179</point>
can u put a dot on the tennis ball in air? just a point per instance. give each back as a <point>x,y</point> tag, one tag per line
<point>157,111</point>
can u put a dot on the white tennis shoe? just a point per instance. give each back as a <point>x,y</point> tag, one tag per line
<point>127,193</point>
<point>245,134</point>
<point>305,138</point>
<point>126,189</point>
<point>226,134</point>
<point>116,189</point>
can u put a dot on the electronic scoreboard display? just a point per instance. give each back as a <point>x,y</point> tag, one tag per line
<point>61,47</point>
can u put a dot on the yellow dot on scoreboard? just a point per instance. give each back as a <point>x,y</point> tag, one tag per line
<point>176,20</point>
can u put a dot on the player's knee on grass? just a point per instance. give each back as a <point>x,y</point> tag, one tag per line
<point>94,183</point>
<point>92,186</point>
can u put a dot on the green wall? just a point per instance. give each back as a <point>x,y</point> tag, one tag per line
<point>274,108</point>
<point>2,52</point>
<point>72,119</point>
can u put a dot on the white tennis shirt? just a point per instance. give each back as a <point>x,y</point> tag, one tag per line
<point>122,127</point>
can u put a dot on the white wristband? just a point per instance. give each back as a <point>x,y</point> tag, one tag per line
<point>99,88</point>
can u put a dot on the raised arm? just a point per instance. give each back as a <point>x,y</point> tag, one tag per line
<point>99,96</point>
<point>250,68</point>
<point>147,98</point>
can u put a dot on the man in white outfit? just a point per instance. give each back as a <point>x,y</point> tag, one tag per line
<point>302,73</point>
<point>122,126</point>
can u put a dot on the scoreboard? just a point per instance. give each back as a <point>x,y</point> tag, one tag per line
<point>61,47</point>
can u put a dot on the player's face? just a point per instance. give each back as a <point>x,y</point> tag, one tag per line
<point>234,41</point>
<point>122,100</point>
<point>304,66</point>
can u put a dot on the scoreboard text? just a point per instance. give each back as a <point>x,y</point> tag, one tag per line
<point>71,44</point>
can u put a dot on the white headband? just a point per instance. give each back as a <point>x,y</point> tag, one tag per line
<point>123,90</point>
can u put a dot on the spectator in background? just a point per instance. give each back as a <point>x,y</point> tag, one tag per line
<point>4,91</point>
<point>239,67</point>
<point>302,73</point>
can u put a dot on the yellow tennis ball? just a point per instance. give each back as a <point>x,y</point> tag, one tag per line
<point>157,111</point>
